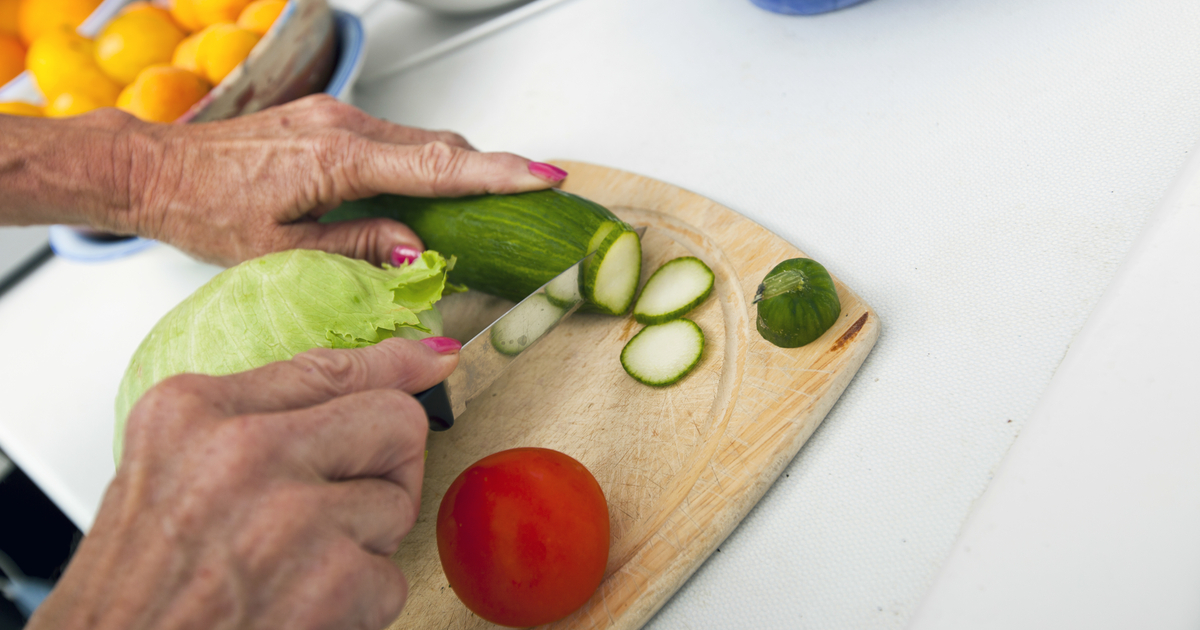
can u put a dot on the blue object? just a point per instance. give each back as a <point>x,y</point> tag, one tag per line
<point>804,7</point>
<point>351,54</point>
<point>72,244</point>
<point>27,593</point>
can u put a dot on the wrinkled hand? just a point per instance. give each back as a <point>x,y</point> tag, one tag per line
<point>268,499</point>
<point>229,191</point>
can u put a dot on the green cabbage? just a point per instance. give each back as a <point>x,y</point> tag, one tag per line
<point>274,307</point>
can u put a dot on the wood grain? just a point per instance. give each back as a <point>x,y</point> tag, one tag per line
<point>680,466</point>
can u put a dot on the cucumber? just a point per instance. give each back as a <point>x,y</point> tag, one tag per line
<point>663,354</point>
<point>797,303</point>
<point>509,245</point>
<point>677,287</point>
<point>511,335</point>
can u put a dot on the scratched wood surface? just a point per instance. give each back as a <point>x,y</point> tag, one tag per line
<point>680,466</point>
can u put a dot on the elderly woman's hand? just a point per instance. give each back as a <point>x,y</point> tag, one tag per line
<point>267,499</point>
<point>229,191</point>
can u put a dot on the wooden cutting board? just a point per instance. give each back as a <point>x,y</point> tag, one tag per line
<point>680,466</point>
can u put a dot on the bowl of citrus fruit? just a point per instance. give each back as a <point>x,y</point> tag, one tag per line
<point>167,60</point>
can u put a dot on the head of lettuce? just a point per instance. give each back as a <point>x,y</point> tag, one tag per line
<point>277,306</point>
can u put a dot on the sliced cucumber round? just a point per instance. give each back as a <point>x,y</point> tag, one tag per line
<point>610,277</point>
<point>797,303</point>
<point>662,354</point>
<point>677,287</point>
<point>525,324</point>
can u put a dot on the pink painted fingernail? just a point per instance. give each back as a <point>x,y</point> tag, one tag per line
<point>442,345</point>
<point>548,172</point>
<point>404,254</point>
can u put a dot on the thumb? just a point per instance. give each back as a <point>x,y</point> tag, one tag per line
<point>376,241</point>
<point>437,169</point>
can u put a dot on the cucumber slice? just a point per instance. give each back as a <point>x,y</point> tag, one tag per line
<point>525,324</point>
<point>797,303</point>
<point>662,354</point>
<point>610,277</point>
<point>677,287</point>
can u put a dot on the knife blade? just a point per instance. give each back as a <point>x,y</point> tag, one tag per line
<point>488,354</point>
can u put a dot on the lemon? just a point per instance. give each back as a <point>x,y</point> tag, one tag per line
<point>135,41</point>
<point>184,12</point>
<point>17,108</point>
<point>39,17</point>
<point>67,104</point>
<point>222,49</point>
<point>63,61</point>
<point>8,17</point>
<point>258,16</point>
<point>212,12</point>
<point>162,93</point>
<point>12,57</point>
<point>187,53</point>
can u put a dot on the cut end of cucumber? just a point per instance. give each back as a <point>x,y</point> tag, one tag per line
<point>525,324</point>
<point>663,354</point>
<point>611,276</point>
<point>675,288</point>
<point>563,290</point>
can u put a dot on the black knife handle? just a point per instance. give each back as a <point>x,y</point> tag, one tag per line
<point>437,407</point>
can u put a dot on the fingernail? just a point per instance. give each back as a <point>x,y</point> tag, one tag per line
<point>548,172</point>
<point>404,254</point>
<point>442,345</point>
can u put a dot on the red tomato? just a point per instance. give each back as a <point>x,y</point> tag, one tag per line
<point>523,536</point>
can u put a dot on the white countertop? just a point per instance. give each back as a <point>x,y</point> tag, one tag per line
<point>975,170</point>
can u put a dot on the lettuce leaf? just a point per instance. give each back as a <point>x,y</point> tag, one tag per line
<point>277,306</point>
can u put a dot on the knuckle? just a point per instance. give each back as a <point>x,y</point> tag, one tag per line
<point>337,148</point>
<point>397,405</point>
<point>437,162</point>
<point>179,399</point>
<point>242,446</point>
<point>339,155</point>
<point>335,371</point>
<point>452,138</point>
<point>327,111</point>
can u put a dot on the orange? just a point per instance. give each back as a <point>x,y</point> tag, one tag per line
<point>162,93</point>
<point>136,40</point>
<point>12,57</point>
<point>259,15</point>
<point>17,108</point>
<point>187,53</point>
<point>38,17</point>
<point>216,11</point>
<point>64,61</point>
<point>68,104</point>
<point>8,17</point>
<point>223,48</point>
<point>184,12</point>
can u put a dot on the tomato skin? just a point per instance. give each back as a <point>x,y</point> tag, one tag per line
<point>523,536</point>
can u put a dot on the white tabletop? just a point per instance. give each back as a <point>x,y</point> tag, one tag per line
<point>975,170</point>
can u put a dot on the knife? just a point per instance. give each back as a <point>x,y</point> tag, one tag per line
<point>489,353</point>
